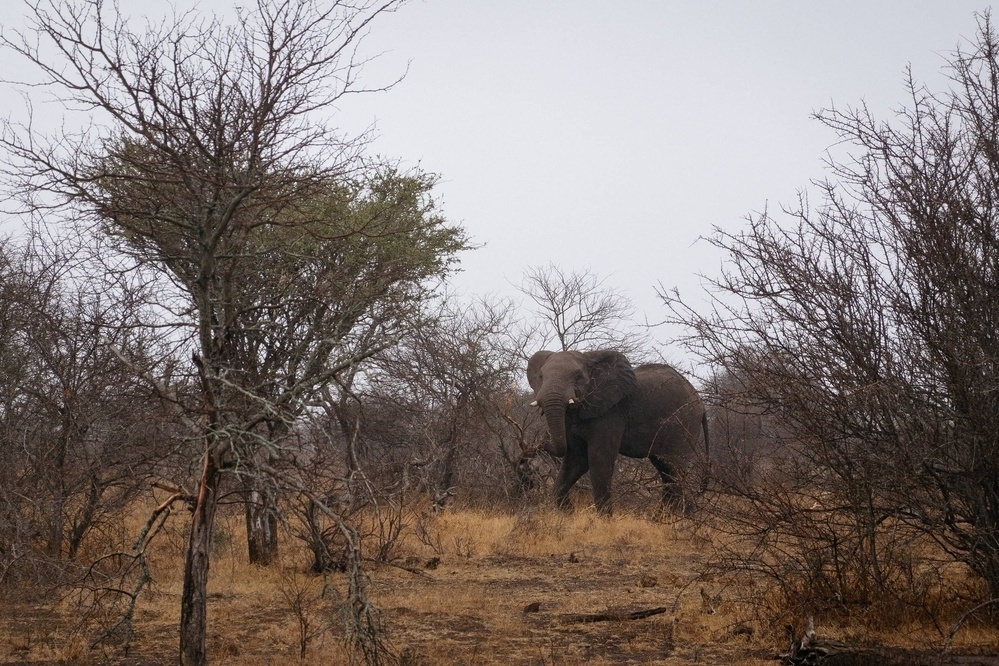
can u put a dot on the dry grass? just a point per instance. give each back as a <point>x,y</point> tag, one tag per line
<point>469,587</point>
<point>562,564</point>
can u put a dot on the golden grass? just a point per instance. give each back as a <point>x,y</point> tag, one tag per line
<point>469,586</point>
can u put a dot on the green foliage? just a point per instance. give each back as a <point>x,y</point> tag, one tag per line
<point>284,284</point>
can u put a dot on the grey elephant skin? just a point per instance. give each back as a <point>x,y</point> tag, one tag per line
<point>597,406</point>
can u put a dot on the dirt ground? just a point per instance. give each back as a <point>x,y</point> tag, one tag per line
<point>542,611</point>
<point>475,589</point>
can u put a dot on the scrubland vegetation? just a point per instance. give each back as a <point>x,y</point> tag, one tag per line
<point>242,420</point>
<point>491,586</point>
<point>456,592</point>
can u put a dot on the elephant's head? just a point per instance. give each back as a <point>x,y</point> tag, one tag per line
<point>583,384</point>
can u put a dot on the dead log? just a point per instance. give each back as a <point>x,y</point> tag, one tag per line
<point>610,616</point>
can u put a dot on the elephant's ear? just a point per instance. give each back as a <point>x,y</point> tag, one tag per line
<point>611,379</point>
<point>534,368</point>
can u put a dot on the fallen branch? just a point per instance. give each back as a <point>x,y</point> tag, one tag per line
<point>610,616</point>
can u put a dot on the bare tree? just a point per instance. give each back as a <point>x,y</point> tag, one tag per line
<point>284,258</point>
<point>78,432</point>
<point>745,439</point>
<point>579,311</point>
<point>868,327</point>
<point>447,384</point>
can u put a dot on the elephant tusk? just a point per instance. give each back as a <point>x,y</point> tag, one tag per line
<point>534,404</point>
<point>572,401</point>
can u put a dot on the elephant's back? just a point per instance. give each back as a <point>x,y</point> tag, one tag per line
<point>657,378</point>
<point>664,415</point>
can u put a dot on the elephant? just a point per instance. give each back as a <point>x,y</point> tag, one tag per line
<point>598,406</point>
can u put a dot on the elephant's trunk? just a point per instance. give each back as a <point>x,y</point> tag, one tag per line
<point>554,410</point>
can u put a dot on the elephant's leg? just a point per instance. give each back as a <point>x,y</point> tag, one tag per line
<point>574,465</point>
<point>601,474</point>
<point>604,445</point>
<point>672,492</point>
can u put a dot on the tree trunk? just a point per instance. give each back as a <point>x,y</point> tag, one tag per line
<point>56,524</point>
<point>86,518</point>
<point>261,527</point>
<point>193,603</point>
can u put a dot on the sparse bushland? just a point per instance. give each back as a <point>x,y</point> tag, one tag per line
<point>275,257</point>
<point>455,591</point>
<point>854,341</point>
<point>274,386</point>
<point>492,586</point>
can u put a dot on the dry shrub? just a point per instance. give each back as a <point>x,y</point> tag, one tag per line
<point>535,533</point>
<point>311,603</point>
<point>800,548</point>
<point>858,325</point>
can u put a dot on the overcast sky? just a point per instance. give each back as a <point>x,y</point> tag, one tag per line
<point>612,135</point>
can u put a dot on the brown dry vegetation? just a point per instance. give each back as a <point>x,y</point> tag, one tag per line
<point>469,586</point>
